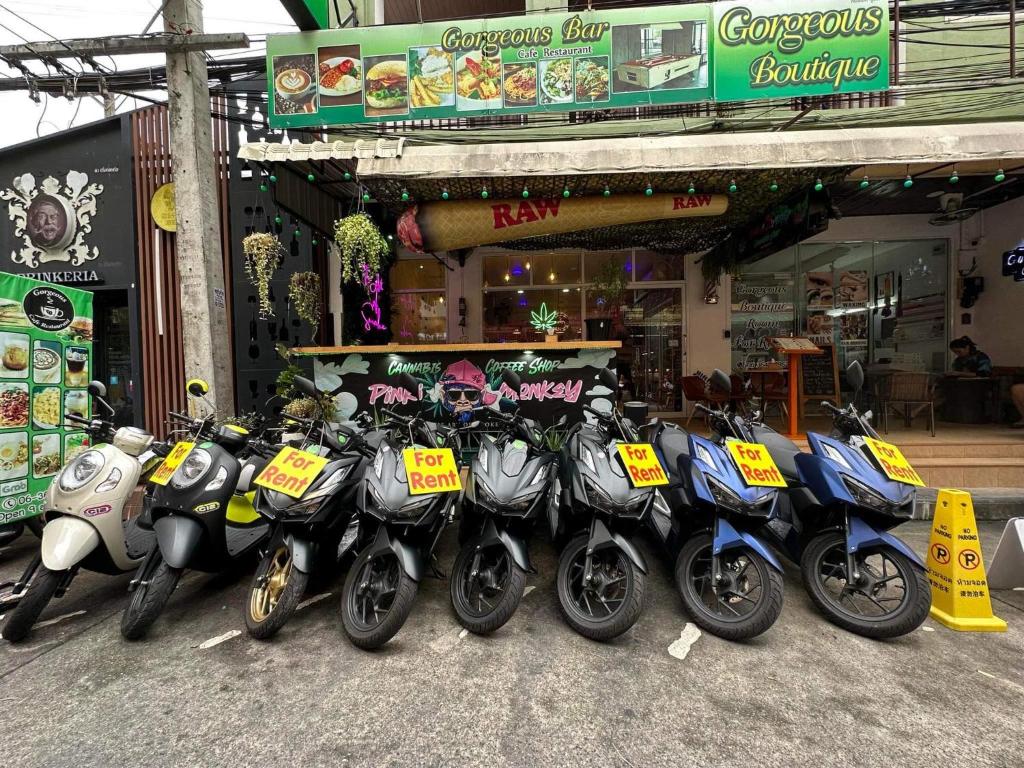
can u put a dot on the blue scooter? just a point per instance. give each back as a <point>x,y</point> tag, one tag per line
<point>729,579</point>
<point>835,523</point>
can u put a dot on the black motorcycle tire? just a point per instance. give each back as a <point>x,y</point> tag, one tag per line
<point>619,622</point>
<point>503,609</point>
<point>759,620</point>
<point>147,602</point>
<point>906,619</point>
<point>376,636</point>
<point>291,595</point>
<point>37,596</point>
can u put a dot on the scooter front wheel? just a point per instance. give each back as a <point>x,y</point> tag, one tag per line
<point>889,597</point>
<point>275,592</point>
<point>486,586</point>
<point>747,599</point>
<point>37,596</point>
<point>611,602</point>
<point>148,600</point>
<point>376,599</point>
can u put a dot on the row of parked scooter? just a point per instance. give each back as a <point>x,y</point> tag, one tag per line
<point>207,504</point>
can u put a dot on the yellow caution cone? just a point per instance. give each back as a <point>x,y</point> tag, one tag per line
<point>955,567</point>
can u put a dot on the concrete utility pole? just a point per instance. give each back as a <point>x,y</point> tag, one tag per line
<point>200,262</point>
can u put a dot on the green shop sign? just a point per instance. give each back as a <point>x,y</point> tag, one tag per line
<point>45,364</point>
<point>562,62</point>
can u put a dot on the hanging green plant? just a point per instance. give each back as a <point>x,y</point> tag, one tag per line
<point>360,243</point>
<point>263,253</point>
<point>304,294</point>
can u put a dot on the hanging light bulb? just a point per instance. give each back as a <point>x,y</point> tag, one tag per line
<point>774,186</point>
<point>444,194</point>
<point>526,193</point>
<point>864,183</point>
<point>527,265</point>
<point>552,276</point>
<point>348,176</point>
<point>607,192</point>
<point>310,178</point>
<point>366,197</point>
<point>818,186</point>
<point>1000,176</point>
<point>278,219</point>
<point>484,193</point>
<point>273,179</point>
<point>649,190</point>
<point>954,177</point>
<point>732,186</point>
<point>298,232</point>
<point>566,192</point>
<point>691,190</point>
<point>908,182</point>
<point>506,277</point>
<point>264,187</point>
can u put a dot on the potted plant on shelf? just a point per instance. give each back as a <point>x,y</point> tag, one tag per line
<point>609,287</point>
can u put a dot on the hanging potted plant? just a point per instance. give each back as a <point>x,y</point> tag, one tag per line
<point>361,245</point>
<point>609,287</point>
<point>263,253</point>
<point>304,293</point>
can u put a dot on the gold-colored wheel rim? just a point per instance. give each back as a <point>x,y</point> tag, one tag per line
<point>264,597</point>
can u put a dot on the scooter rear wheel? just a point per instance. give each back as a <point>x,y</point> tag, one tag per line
<point>611,603</point>
<point>485,601</point>
<point>892,598</point>
<point>274,595</point>
<point>37,596</point>
<point>376,599</point>
<point>148,600</point>
<point>746,603</point>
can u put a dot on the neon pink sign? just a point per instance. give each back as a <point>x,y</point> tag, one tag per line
<point>374,287</point>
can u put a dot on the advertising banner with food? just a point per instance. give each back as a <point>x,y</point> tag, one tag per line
<point>545,62</point>
<point>562,62</point>
<point>45,365</point>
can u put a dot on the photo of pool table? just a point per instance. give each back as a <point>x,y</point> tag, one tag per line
<point>652,71</point>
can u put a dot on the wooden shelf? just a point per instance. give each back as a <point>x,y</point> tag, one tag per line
<point>415,349</point>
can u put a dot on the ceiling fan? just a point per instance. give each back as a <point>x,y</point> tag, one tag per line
<point>951,209</point>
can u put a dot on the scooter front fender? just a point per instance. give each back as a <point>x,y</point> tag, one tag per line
<point>727,537</point>
<point>602,538</point>
<point>177,536</point>
<point>408,557</point>
<point>303,553</point>
<point>515,546</point>
<point>66,542</point>
<point>862,534</point>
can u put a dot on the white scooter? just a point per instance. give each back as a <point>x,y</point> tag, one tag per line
<point>84,512</point>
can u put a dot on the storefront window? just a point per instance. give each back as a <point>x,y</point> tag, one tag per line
<point>419,313</point>
<point>649,266</point>
<point>532,268</point>
<point>881,303</point>
<point>507,314</point>
<point>650,362</point>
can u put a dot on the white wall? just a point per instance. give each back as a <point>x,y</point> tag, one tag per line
<point>706,324</point>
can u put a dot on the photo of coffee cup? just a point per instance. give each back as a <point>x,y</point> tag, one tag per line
<point>293,83</point>
<point>76,357</point>
<point>51,312</point>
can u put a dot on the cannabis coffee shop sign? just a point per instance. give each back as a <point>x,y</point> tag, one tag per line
<point>561,62</point>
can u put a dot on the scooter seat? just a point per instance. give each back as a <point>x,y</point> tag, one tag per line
<point>674,443</point>
<point>782,450</point>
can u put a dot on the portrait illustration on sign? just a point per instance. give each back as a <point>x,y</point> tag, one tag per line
<point>52,219</point>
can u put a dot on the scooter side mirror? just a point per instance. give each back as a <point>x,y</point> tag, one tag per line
<point>855,376</point>
<point>409,383</point>
<point>720,381</point>
<point>197,387</point>
<point>511,379</point>
<point>609,379</point>
<point>305,386</point>
<point>97,389</point>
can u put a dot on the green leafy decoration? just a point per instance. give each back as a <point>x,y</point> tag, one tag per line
<point>544,319</point>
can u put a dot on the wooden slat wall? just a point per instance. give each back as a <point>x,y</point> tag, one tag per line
<point>163,360</point>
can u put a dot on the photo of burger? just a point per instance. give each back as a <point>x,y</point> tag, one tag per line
<point>386,85</point>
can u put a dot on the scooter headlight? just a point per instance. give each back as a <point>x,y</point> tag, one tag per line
<point>726,498</point>
<point>588,459</point>
<point>81,470</point>
<point>111,482</point>
<point>866,497</point>
<point>191,469</point>
<point>482,457</point>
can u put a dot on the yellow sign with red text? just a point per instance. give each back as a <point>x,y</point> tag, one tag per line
<point>163,473</point>
<point>642,465</point>
<point>431,470</point>
<point>893,463</point>
<point>291,471</point>
<point>755,464</point>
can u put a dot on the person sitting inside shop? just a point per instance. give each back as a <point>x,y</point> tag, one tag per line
<point>969,361</point>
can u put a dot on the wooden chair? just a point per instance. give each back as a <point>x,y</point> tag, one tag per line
<point>696,391</point>
<point>915,392</point>
<point>775,392</point>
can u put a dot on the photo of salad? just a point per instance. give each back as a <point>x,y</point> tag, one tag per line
<point>74,444</point>
<point>556,81</point>
<point>45,455</point>
<point>477,82</point>
<point>520,84</point>
<point>592,79</point>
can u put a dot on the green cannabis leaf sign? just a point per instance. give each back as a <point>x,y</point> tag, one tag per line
<point>544,320</point>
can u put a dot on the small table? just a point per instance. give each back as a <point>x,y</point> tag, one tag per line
<point>794,348</point>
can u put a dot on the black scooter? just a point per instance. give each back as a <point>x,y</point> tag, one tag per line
<point>398,532</point>
<point>308,529</point>
<point>202,517</point>
<point>509,488</point>
<point>602,575</point>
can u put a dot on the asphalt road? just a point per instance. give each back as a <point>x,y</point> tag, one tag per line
<point>534,694</point>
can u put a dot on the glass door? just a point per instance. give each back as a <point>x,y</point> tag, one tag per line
<point>651,362</point>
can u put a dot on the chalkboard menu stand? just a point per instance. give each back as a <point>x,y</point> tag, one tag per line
<point>794,349</point>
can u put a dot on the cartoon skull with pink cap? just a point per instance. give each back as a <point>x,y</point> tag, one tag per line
<point>464,388</point>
